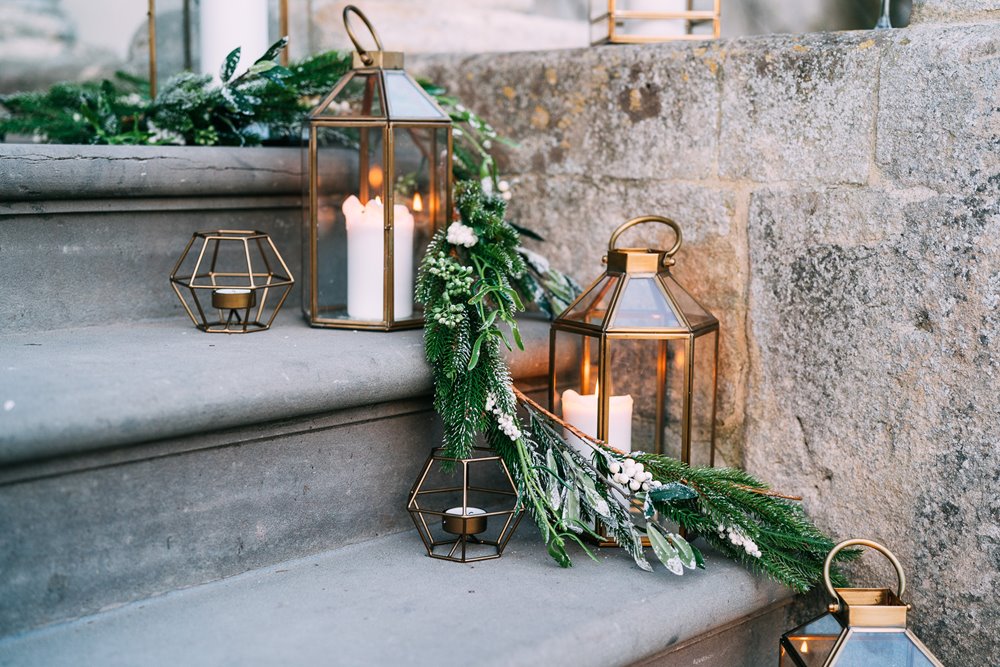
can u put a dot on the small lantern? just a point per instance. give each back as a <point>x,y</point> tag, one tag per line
<point>642,21</point>
<point>864,627</point>
<point>467,519</point>
<point>633,361</point>
<point>199,34</point>
<point>236,281</point>
<point>379,169</point>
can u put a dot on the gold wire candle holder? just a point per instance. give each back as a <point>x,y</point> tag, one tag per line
<point>239,272</point>
<point>645,21</point>
<point>468,519</point>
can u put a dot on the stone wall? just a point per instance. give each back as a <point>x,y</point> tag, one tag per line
<point>839,198</point>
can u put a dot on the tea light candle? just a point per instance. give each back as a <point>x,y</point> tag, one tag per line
<point>233,298</point>
<point>580,410</point>
<point>468,522</point>
<point>365,259</point>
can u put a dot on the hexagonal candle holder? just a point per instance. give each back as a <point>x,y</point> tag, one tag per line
<point>235,281</point>
<point>461,515</point>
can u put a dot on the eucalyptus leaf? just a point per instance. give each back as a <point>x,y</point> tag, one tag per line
<point>684,550</point>
<point>663,550</point>
<point>571,510</point>
<point>273,50</point>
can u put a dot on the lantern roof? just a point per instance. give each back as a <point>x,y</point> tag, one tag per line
<point>378,88</point>
<point>638,294</point>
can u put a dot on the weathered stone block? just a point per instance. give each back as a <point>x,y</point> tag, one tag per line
<point>874,326</point>
<point>939,107</point>
<point>626,112</point>
<point>799,108</point>
<point>940,11</point>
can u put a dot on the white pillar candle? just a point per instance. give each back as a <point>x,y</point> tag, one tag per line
<point>365,260</point>
<point>581,411</point>
<point>226,24</point>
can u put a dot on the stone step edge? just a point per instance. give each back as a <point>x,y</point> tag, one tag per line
<point>76,391</point>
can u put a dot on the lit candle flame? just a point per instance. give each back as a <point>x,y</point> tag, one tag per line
<point>804,648</point>
<point>418,203</point>
<point>375,177</point>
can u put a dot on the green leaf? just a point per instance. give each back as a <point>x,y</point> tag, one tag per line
<point>273,50</point>
<point>671,492</point>
<point>474,359</point>
<point>666,553</point>
<point>262,66</point>
<point>229,66</point>
<point>699,559</point>
<point>571,509</point>
<point>684,550</point>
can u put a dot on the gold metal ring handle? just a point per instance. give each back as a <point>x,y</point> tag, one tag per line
<point>648,218</point>
<point>901,578</point>
<point>365,58</point>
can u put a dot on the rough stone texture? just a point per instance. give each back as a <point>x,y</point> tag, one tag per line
<point>933,11</point>
<point>839,196</point>
<point>799,109</point>
<point>383,602</point>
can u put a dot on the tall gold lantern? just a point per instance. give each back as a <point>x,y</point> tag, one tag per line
<point>379,173</point>
<point>643,21</point>
<point>864,627</point>
<point>634,360</point>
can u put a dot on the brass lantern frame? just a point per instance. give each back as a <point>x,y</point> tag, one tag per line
<point>466,526</point>
<point>151,22</point>
<point>872,613</point>
<point>627,263</point>
<point>374,64</point>
<point>692,17</point>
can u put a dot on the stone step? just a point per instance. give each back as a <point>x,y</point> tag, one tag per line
<point>90,234</point>
<point>383,602</point>
<point>139,459</point>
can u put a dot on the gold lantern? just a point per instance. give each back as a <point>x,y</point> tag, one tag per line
<point>864,627</point>
<point>642,21</point>
<point>379,169</point>
<point>208,31</point>
<point>233,281</point>
<point>634,360</point>
<point>466,519</point>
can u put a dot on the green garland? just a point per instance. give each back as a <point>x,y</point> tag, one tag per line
<point>468,283</point>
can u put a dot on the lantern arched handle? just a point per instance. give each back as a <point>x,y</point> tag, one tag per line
<point>650,218</point>
<point>362,53</point>
<point>901,578</point>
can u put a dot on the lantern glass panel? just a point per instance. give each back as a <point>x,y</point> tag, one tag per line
<point>346,265</point>
<point>406,98</point>
<point>417,189</point>
<point>574,379</point>
<point>593,306</point>
<point>359,96</point>
<point>643,305</point>
<point>703,396</point>
<point>646,390</point>
<point>885,649</point>
<point>693,312</point>
<point>813,642</point>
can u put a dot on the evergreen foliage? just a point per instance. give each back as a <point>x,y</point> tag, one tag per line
<point>468,282</point>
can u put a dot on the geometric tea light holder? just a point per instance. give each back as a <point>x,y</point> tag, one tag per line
<point>468,514</point>
<point>235,281</point>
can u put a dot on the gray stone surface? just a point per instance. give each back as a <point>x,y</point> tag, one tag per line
<point>71,391</point>
<point>90,234</point>
<point>843,220</point>
<point>140,459</point>
<point>384,602</point>
<point>799,108</point>
<point>934,11</point>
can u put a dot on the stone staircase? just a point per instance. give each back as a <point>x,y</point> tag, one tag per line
<point>173,497</point>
